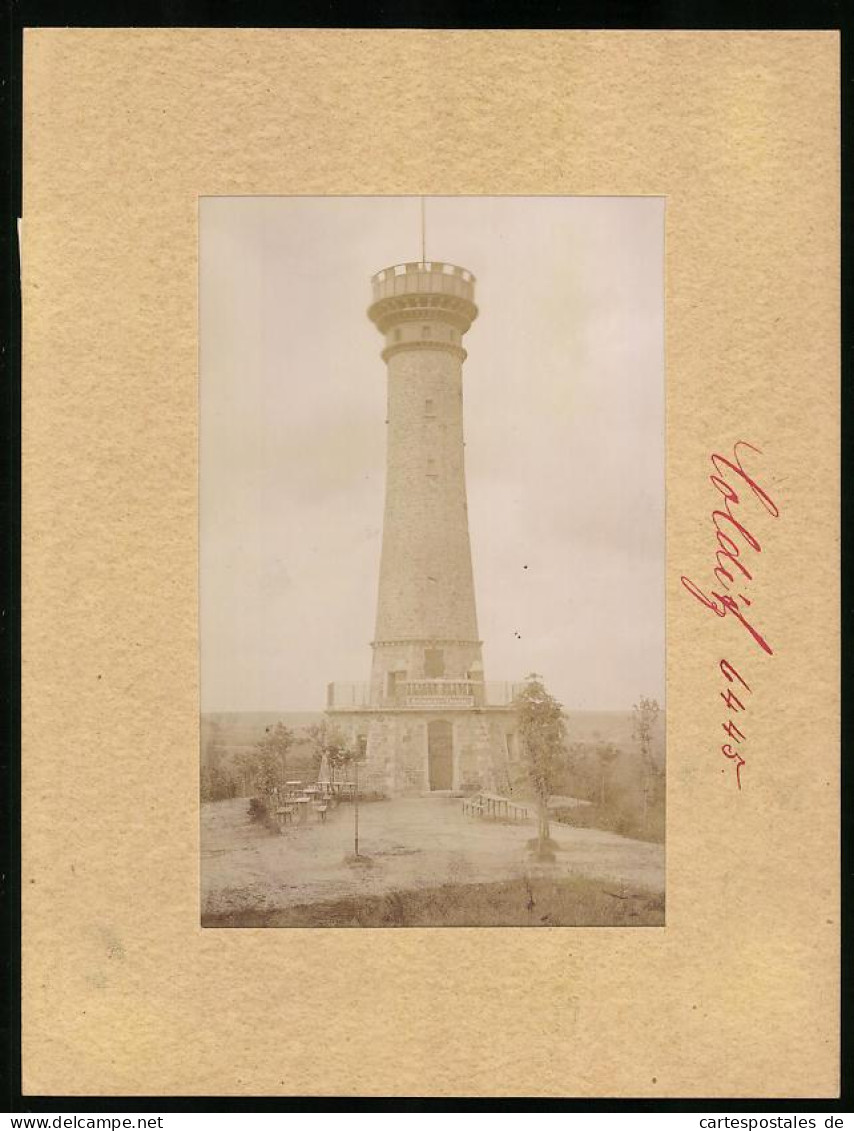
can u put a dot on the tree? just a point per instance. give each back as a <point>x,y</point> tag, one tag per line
<point>205,786</point>
<point>211,775</point>
<point>542,733</point>
<point>217,783</point>
<point>326,738</point>
<point>607,753</point>
<point>645,717</point>
<point>211,741</point>
<point>341,752</point>
<point>245,762</point>
<point>270,758</point>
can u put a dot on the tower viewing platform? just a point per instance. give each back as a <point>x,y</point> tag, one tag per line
<point>414,292</point>
<point>417,278</point>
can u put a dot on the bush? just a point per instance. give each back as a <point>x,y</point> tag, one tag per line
<point>217,784</point>
<point>624,819</point>
<point>257,809</point>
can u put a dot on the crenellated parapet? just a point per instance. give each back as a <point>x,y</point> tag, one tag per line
<point>423,306</point>
<point>423,278</point>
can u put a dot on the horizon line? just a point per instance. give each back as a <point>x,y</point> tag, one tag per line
<point>323,710</point>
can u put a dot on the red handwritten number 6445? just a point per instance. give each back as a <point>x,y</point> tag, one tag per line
<point>735,705</point>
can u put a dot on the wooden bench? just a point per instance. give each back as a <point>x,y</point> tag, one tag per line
<point>284,815</point>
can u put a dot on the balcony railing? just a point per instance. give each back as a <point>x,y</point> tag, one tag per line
<point>415,694</point>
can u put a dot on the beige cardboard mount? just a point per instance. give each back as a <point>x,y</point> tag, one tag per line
<point>123,991</point>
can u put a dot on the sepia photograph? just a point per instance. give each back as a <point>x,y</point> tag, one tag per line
<point>432,557</point>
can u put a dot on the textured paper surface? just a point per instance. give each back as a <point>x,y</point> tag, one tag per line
<point>123,991</point>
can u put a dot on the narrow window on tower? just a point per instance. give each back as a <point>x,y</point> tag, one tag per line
<point>431,470</point>
<point>429,409</point>
<point>425,331</point>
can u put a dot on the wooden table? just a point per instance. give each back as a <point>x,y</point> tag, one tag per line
<point>303,803</point>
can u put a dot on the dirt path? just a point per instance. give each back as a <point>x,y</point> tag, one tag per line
<point>413,843</point>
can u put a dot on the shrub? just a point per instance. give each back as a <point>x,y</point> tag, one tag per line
<point>257,809</point>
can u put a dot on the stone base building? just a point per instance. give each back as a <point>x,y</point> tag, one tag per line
<point>419,749</point>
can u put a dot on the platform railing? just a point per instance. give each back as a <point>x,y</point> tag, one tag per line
<point>420,693</point>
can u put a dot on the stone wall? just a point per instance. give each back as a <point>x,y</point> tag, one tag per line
<point>397,752</point>
<point>460,658</point>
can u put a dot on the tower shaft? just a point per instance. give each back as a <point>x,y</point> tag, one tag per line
<point>426,624</point>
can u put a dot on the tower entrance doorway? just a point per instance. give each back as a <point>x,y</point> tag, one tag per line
<point>440,754</point>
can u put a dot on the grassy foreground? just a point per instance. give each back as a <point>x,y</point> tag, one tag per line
<point>536,902</point>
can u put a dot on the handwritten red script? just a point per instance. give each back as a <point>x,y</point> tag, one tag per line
<point>734,541</point>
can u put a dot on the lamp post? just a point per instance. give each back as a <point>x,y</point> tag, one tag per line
<point>359,755</point>
<point>356,806</point>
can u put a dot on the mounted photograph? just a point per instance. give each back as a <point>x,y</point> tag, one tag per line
<point>432,561</point>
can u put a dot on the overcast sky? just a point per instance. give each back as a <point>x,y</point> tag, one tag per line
<point>564,424</point>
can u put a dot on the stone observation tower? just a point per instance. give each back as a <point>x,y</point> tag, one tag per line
<point>427,718</point>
